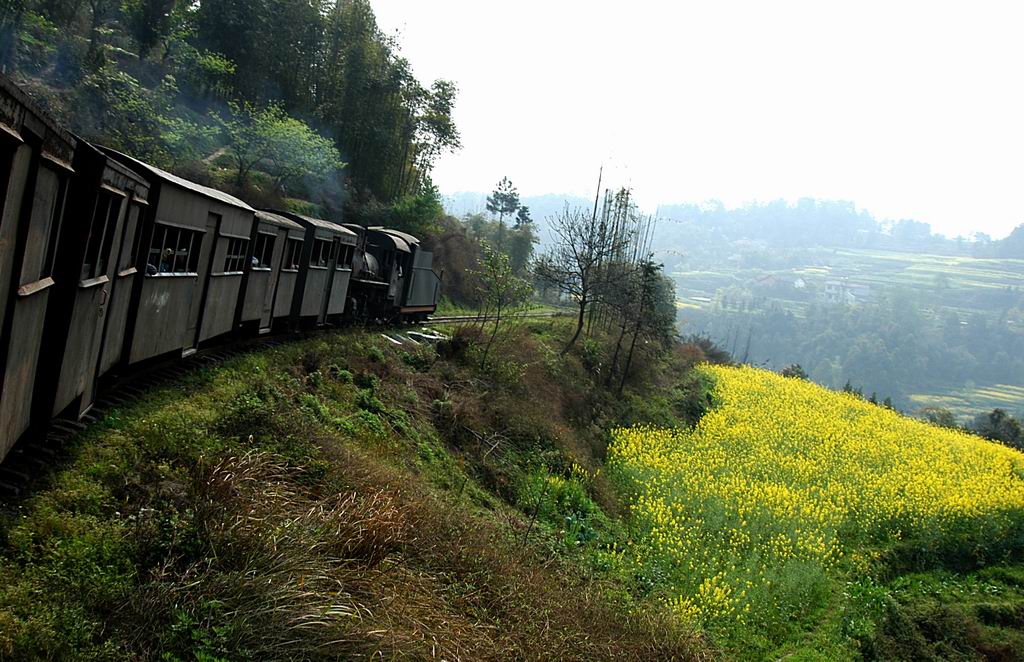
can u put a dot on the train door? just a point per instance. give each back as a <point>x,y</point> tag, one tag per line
<point>120,286</point>
<point>195,313</point>
<point>329,282</point>
<point>263,258</point>
<point>92,294</point>
<point>109,266</point>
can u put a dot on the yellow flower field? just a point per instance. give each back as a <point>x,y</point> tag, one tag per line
<point>746,514</point>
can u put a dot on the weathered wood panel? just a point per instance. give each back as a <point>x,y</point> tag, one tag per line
<point>339,292</point>
<point>163,315</point>
<point>19,376</point>
<point>316,289</point>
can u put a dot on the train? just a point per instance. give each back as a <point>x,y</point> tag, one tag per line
<point>108,263</point>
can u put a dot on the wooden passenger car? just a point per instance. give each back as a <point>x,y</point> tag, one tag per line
<point>95,272</point>
<point>272,272</point>
<point>326,263</point>
<point>195,240</point>
<point>35,168</point>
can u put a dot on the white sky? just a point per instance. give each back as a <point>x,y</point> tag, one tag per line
<point>909,109</point>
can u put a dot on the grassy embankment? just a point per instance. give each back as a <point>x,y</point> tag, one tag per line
<point>798,522</point>
<point>343,497</point>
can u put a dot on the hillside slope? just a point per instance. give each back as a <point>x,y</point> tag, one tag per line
<point>342,496</point>
<point>337,497</point>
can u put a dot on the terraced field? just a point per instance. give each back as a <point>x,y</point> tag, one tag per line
<point>965,403</point>
<point>937,285</point>
<point>923,270</point>
<point>959,279</point>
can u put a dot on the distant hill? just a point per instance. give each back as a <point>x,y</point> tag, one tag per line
<point>806,223</point>
<point>1012,246</point>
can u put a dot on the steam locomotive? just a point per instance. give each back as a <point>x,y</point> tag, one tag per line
<point>107,262</point>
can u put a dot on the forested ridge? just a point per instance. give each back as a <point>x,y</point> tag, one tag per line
<point>307,105</point>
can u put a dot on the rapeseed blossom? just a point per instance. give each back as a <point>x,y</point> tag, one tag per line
<point>752,508</point>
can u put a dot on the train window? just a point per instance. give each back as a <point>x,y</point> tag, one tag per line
<point>58,215</point>
<point>345,259</point>
<point>195,246</point>
<point>101,235</point>
<point>44,226</point>
<point>95,238</point>
<point>234,261</point>
<point>173,251</point>
<point>263,251</point>
<point>321,255</point>
<point>132,237</point>
<point>6,158</point>
<point>292,255</point>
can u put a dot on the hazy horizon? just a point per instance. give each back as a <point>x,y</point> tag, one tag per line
<point>448,197</point>
<point>906,110</point>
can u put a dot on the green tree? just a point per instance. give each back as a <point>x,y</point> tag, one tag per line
<point>99,10</point>
<point>503,200</point>
<point>118,110</point>
<point>794,370</point>
<point>997,425</point>
<point>149,21</point>
<point>654,312</point>
<point>299,153</point>
<point>287,148</point>
<point>417,214</point>
<point>275,43</point>
<point>523,217</point>
<point>499,291</point>
<point>939,416</point>
<point>248,133</point>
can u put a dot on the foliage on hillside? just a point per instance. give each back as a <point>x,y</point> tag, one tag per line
<point>177,83</point>
<point>745,523</point>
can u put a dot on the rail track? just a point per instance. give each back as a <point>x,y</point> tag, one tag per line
<point>38,454</point>
<point>463,319</point>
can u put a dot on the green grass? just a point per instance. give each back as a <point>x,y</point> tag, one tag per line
<point>334,498</point>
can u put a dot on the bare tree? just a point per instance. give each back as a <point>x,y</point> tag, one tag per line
<point>579,263</point>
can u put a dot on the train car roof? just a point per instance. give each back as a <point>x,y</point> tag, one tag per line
<point>327,225</point>
<point>405,236</point>
<point>398,242</point>
<point>212,193</point>
<point>111,162</point>
<point>18,110</point>
<point>276,219</point>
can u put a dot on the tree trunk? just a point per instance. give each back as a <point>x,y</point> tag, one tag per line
<point>579,326</point>
<point>636,332</point>
<point>615,356</point>
<point>490,341</point>
<point>629,359</point>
